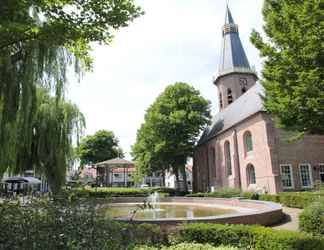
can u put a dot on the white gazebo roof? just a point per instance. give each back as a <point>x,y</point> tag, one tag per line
<point>117,162</point>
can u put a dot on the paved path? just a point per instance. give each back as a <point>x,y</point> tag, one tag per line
<point>291,220</point>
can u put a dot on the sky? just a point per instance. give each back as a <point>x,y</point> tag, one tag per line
<point>175,41</point>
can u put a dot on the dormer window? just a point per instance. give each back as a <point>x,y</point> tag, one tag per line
<point>229,96</point>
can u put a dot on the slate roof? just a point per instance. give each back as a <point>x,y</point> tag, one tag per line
<point>245,106</point>
<point>233,57</point>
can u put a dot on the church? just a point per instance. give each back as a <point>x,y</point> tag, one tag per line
<point>242,148</point>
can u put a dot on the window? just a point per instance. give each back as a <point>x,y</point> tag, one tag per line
<point>286,176</point>
<point>305,175</point>
<point>229,96</point>
<point>248,144</point>
<point>228,160</point>
<point>243,90</point>
<point>250,174</point>
<point>221,100</point>
<point>321,173</point>
<point>116,175</point>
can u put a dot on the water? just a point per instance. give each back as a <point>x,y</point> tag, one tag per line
<point>154,200</point>
<point>164,210</point>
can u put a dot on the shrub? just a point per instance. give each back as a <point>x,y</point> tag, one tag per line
<point>104,192</point>
<point>187,246</point>
<point>248,237</point>
<point>298,199</point>
<point>219,193</point>
<point>311,220</point>
<point>64,225</point>
<point>289,199</point>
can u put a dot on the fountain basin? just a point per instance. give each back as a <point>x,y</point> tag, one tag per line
<point>234,211</point>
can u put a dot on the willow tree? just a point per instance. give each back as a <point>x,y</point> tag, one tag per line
<point>53,129</point>
<point>39,41</point>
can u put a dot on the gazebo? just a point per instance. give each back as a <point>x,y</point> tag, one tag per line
<point>105,171</point>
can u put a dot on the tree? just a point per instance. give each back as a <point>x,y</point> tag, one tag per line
<point>293,73</point>
<point>171,128</point>
<point>54,126</point>
<point>39,41</point>
<point>101,146</point>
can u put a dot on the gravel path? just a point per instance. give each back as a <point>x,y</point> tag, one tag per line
<point>291,220</point>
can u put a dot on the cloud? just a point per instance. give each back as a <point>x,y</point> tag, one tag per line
<point>176,40</point>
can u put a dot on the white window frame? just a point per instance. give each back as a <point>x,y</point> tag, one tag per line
<point>292,176</point>
<point>310,174</point>
<point>319,171</point>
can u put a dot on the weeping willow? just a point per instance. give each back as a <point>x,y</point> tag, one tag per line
<point>36,123</point>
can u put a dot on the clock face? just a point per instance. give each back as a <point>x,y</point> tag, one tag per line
<point>243,82</point>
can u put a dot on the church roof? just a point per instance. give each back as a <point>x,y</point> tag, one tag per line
<point>245,106</point>
<point>233,57</point>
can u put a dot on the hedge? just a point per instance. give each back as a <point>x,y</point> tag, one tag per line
<point>289,199</point>
<point>248,237</point>
<point>220,193</point>
<point>311,220</point>
<point>187,246</point>
<point>102,192</point>
<point>55,225</point>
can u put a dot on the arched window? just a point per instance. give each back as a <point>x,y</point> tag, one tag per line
<point>248,144</point>
<point>229,96</point>
<point>250,173</point>
<point>228,158</point>
<point>221,100</point>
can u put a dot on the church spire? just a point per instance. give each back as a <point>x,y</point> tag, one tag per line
<point>235,75</point>
<point>228,16</point>
<point>233,57</point>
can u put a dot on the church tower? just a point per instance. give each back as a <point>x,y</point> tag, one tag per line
<point>235,76</point>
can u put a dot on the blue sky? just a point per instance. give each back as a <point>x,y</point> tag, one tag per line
<point>175,41</point>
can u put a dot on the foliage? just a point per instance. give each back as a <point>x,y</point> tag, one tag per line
<point>299,199</point>
<point>293,75</point>
<point>219,193</point>
<point>170,130</point>
<point>186,246</point>
<point>67,225</point>
<point>247,237</point>
<point>311,220</point>
<point>39,41</point>
<point>55,125</point>
<point>101,146</point>
<point>112,192</point>
<point>288,199</point>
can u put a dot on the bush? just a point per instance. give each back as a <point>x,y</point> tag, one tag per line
<point>104,192</point>
<point>289,199</point>
<point>299,199</point>
<point>248,237</point>
<point>187,246</point>
<point>219,193</point>
<point>55,225</point>
<point>311,220</point>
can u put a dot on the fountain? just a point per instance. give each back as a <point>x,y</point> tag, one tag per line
<point>170,211</point>
<point>154,200</point>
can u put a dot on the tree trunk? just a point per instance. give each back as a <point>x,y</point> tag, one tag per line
<point>163,178</point>
<point>176,173</point>
<point>184,178</point>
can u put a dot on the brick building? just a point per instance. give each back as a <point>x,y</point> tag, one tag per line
<point>243,148</point>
